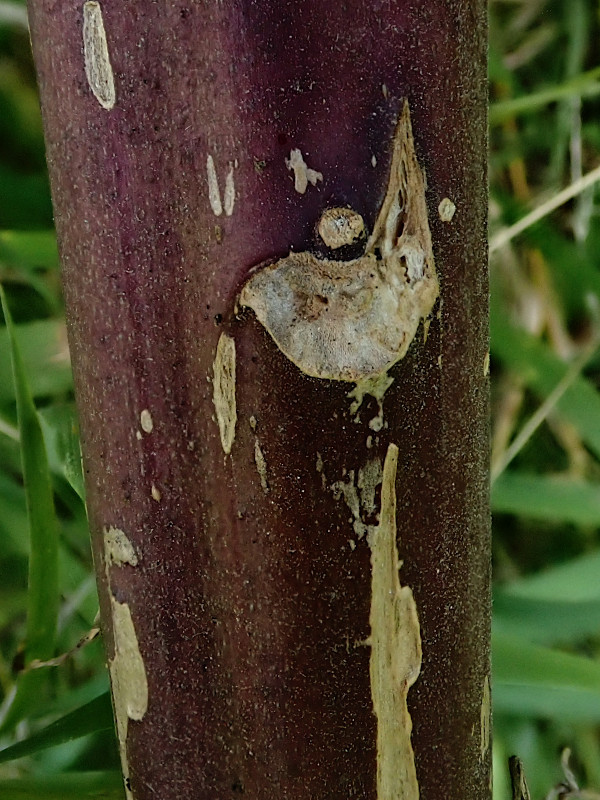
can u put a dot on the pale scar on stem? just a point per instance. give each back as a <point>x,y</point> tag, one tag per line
<point>353,320</point>
<point>127,670</point>
<point>395,643</point>
<point>98,69</point>
<point>224,390</point>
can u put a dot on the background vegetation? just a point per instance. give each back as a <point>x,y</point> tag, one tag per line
<point>545,372</point>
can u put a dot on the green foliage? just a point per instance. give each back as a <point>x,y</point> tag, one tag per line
<point>56,733</point>
<point>545,332</point>
<point>545,328</point>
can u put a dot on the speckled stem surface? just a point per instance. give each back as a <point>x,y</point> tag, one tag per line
<point>250,593</point>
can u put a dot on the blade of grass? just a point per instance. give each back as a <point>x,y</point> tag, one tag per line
<point>547,497</point>
<point>89,718</point>
<point>584,85</point>
<point>44,352</point>
<point>504,236</point>
<point>542,370</point>
<point>531,680</point>
<point>43,592</point>
<point>542,411</point>
<point>67,786</point>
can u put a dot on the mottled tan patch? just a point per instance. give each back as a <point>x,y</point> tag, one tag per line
<point>303,174</point>
<point>339,227</point>
<point>261,466</point>
<point>395,642</point>
<point>146,421</point>
<point>350,320</point>
<point>446,210</point>
<point>224,390</point>
<point>118,549</point>
<point>376,386</point>
<point>98,69</point>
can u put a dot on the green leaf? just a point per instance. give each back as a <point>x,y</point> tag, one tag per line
<point>532,680</point>
<point>66,786</point>
<point>584,85</point>
<point>61,434</point>
<point>574,581</point>
<point>92,717</point>
<point>547,497</point>
<point>43,347</point>
<point>556,621</point>
<point>43,591</point>
<point>541,370</point>
<point>29,248</point>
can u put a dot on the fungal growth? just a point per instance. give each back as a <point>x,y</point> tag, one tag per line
<point>351,320</point>
<point>98,69</point>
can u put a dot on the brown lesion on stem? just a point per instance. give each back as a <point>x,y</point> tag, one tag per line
<point>352,320</point>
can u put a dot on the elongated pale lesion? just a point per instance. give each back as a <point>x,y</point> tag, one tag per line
<point>395,642</point>
<point>351,320</point>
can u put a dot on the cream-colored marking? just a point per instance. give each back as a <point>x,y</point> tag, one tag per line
<point>321,470</point>
<point>395,642</point>
<point>376,386</point>
<point>446,210</point>
<point>214,196</point>
<point>146,421</point>
<point>369,478</point>
<point>118,549</point>
<point>155,492</point>
<point>373,161</point>
<point>138,435</point>
<point>98,69</point>
<point>486,710</point>
<point>440,361</point>
<point>486,364</point>
<point>349,492</point>
<point>224,390</point>
<point>229,193</point>
<point>339,227</point>
<point>303,175</point>
<point>359,493</point>
<point>261,466</point>
<point>350,320</point>
<point>252,422</point>
<point>128,678</point>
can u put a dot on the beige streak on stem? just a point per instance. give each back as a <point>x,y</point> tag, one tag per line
<point>395,642</point>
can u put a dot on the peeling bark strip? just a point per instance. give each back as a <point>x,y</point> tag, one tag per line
<point>351,320</point>
<point>127,670</point>
<point>128,679</point>
<point>395,650</point>
<point>98,69</point>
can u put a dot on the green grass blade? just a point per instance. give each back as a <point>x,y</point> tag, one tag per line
<point>584,85</point>
<point>66,786</point>
<point>29,248</point>
<point>44,352</point>
<point>574,581</point>
<point>551,622</point>
<point>547,497</point>
<point>92,717</point>
<point>542,370</point>
<point>43,591</point>
<point>530,680</point>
